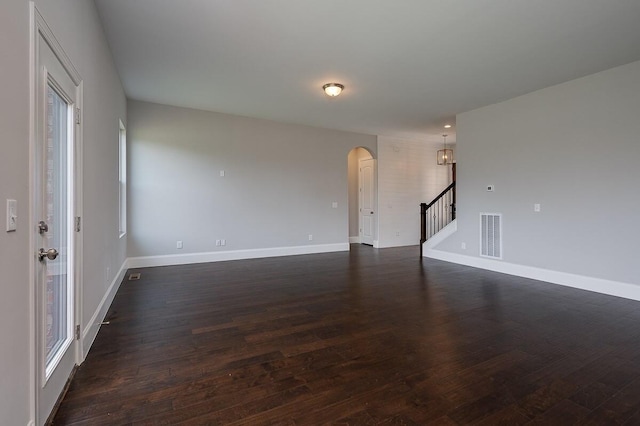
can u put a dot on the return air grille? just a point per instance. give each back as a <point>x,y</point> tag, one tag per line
<point>491,235</point>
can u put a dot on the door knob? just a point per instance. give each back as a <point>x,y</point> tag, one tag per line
<point>50,254</point>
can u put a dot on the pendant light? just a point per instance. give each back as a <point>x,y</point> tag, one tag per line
<point>445,156</point>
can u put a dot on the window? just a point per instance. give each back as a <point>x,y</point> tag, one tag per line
<point>122,177</point>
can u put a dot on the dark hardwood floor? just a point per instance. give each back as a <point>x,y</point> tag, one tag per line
<point>364,337</point>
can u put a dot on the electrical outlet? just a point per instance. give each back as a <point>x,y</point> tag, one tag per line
<point>179,244</point>
<point>310,237</point>
<point>397,233</point>
<point>221,173</point>
<point>223,242</point>
<point>217,242</point>
<point>463,246</point>
<point>536,208</point>
<point>334,205</point>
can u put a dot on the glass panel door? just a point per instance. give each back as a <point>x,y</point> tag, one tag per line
<point>57,208</point>
<point>57,94</point>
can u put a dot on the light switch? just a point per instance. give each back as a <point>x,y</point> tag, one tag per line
<point>536,207</point>
<point>334,205</point>
<point>221,173</point>
<point>12,215</point>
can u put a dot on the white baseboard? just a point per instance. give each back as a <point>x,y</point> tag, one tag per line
<point>218,256</point>
<point>91,330</point>
<point>354,240</point>
<point>400,244</point>
<point>598,285</point>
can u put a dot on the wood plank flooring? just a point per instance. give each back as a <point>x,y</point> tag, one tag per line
<point>365,337</point>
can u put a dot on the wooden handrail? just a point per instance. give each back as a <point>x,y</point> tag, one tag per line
<point>435,200</point>
<point>424,207</point>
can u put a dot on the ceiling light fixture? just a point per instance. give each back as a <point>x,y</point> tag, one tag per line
<point>445,156</point>
<point>333,89</point>
<point>447,126</point>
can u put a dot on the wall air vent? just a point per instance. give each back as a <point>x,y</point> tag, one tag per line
<point>491,235</point>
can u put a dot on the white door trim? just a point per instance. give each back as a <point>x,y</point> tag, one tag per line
<point>39,28</point>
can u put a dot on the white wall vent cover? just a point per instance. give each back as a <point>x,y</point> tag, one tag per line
<point>491,235</point>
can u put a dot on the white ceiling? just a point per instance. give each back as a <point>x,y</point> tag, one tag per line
<point>409,66</point>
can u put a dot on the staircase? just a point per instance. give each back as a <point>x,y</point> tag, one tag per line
<point>437,214</point>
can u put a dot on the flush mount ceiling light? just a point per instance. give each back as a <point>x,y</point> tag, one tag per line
<point>333,89</point>
<point>447,126</point>
<point>445,156</point>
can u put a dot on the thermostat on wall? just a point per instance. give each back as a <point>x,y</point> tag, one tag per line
<point>491,188</point>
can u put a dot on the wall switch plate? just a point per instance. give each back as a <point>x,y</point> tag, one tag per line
<point>491,188</point>
<point>221,173</point>
<point>223,242</point>
<point>217,242</point>
<point>334,205</point>
<point>310,237</point>
<point>463,246</point>
<point>12,215</point>
<point>536,207</point>
<point>179,244</point>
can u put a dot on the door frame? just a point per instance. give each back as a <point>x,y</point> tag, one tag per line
<point>40,29</point>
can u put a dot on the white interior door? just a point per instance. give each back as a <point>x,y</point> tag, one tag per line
<point>53,237</point>
<point>367,213</point>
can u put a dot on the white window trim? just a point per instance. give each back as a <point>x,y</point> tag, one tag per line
<point>122,180</point>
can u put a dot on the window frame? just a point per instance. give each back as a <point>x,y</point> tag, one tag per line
<point>122,180</point>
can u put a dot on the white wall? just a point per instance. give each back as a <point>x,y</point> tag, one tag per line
<point>14,183</point>
<point>575,149</point>
<point>407,176</point>
<point>75,23</point>
<point>279,184</point>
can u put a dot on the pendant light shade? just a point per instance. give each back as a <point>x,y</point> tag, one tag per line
<point>444,156</point>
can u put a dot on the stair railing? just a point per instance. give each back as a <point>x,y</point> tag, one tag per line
<point>437,214</point>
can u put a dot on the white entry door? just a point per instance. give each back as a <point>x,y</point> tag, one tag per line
<point>54,181</point>
<point>367,211</point>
